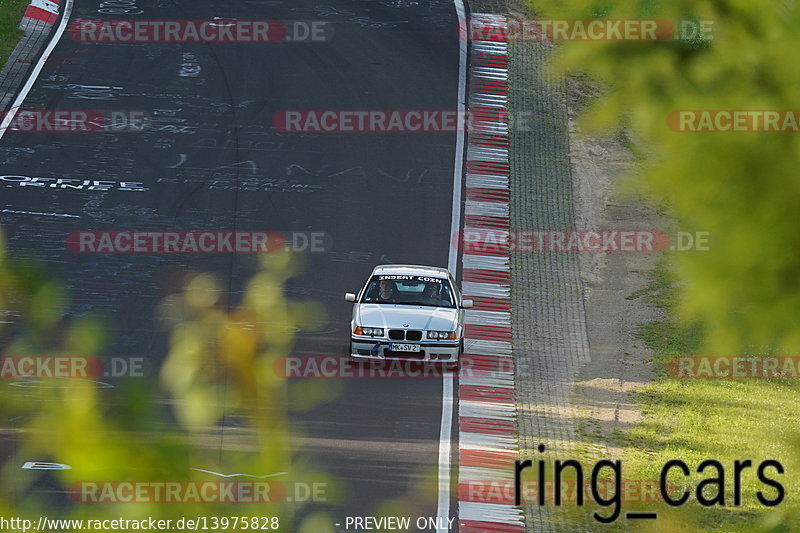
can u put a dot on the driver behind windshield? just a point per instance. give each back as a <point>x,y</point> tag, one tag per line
<point>386,291</point>
<point>431,296</point>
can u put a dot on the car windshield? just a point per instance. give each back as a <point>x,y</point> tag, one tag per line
<point>409,290</point>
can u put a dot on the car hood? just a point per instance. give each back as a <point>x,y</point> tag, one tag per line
<point>397,316</point>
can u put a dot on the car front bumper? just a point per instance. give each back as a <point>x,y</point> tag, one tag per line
<point>429,351</point>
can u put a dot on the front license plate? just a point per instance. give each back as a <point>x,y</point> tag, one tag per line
<point>404,347</point>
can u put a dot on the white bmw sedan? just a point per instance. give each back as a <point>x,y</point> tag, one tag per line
<point>408,312</point>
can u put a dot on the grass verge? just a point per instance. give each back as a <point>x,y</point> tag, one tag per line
<point>723,419</point>
<point>10,14</point>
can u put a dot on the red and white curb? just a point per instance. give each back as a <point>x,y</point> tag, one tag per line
<point>41,10</point>
<point>487,412</point>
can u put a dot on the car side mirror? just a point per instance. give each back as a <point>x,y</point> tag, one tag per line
<point>349,297</point>
<point>467,304</point>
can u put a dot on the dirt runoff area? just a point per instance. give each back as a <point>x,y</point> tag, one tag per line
<point>620,361</point>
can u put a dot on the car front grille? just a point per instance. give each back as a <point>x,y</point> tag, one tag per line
<point>401,334</point>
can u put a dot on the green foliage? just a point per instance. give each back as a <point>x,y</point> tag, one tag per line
<point>10,15</point>
<point>740,186</point>
<point>220,368</point>
<point>698,419</point>
<point>742,296</point>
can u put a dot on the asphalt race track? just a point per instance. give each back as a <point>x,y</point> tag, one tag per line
<point>209,159</point>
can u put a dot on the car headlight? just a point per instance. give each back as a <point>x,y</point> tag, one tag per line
<point>373,332</point>
<point>439,335</point>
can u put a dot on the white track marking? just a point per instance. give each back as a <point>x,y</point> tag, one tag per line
<point>487,181</point>
<point>495,411</point>
<point>488,290</point>
<point>14,211</point>
<point>503,381</point>
<point>489,209</point>
<point>489,442</point>
<point>445,431</point>
<point>487,262</point>
<point>491,512</point>
<point>488,318</point>
<point>237,475</point>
